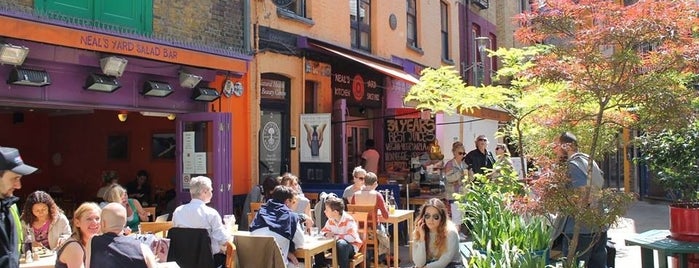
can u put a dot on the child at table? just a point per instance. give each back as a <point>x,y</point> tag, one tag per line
<point>344,229</point>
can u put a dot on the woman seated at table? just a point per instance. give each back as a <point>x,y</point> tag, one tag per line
<point>303,204</point>
<point>134,211</point>
<point>86,224</point>
<point>277,219</point>
<point>435,238</point>
<point>369,196</point>
<point>44,220</point>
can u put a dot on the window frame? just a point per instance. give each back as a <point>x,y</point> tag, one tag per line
<point>444,22</point>
<point>358,27</point>
<point>411,15</point>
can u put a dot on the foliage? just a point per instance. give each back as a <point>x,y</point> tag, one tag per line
<point>506,256</point>
<point>674,156</point>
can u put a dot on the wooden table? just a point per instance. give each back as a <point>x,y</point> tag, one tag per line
<point>395,218</point>
<point>315,245</point>
<point>43,262</point>
<point>659,240</point>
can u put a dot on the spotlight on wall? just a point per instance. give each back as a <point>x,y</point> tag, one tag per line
<point>156,89</point>
<point>28,77</point>
<point>205,94</point>
<point>113,66</point>
<point>189,80</point>
<point>171,117</point>
<point>122,116</point>
<point>101,83</point>
<point>14,55</point>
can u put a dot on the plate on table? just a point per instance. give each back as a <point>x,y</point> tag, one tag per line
<point>46,253</point>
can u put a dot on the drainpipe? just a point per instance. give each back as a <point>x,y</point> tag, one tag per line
<point>246,24</point>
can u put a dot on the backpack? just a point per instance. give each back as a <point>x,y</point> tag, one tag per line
<point>319,217</point>
<point>581,161</point>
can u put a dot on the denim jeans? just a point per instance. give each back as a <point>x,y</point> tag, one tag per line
<point>345,252</point>
<point>596,257</point>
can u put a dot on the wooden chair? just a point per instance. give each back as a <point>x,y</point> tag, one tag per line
<point>254,207</point>
<point>159,229</point>
<point>372,224</point>
<point>362,220</point>
<point>313,197</point>
<point>230,254</point>
<point>150,210</point>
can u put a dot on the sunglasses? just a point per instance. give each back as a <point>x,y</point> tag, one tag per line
<point>498,148</point>
<point>460,153</point>
<point>435,216</point>
<point>482,139</point>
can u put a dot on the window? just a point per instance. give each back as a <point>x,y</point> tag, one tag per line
<point>133,15</point>
<point>412,22</point>
<point>360,24</point>
<point>444,9</point>
<point>297,7</point>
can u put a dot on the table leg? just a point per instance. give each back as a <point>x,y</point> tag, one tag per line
<point>662,259</point>
<point>682,259</point>
<point>307,259</point>
<point>334,249</point>
<point>395,245</point>
<point>647,258</point>
<point>410,233</point>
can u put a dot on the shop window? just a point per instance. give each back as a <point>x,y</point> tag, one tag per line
<point>297,7</point>
<point>360,24</point>
<point>444,10</point>
<point>412,23</point>
<point>310,97</point>
<point>129,15</point>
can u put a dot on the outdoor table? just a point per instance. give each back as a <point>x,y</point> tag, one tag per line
<point>395,218</point>
<point>42,262</point>
<point>314,245</point>
<point>660,240</point>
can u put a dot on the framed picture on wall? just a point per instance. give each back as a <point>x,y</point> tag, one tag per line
<point>163,146</point>
<point>117,147</point>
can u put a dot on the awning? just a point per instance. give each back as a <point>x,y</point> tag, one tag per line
<point>390,71</point>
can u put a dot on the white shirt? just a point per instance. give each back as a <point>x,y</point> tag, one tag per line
<point>283,242</point>
<point>372,160</point>
<point>197,214</point>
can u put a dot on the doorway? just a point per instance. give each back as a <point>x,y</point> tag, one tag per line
<point>357,133</point>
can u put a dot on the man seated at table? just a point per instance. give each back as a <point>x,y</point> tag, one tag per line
<point>112,249</point>
<point>344,229</point>
<point>277,219</point>
<point>196,214</point>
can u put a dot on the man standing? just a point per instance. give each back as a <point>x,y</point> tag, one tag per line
<point>12,168</point>
<point>112,248</point>
<point>196,214</point>
<point>370,157</point>
<point>591,243</point>
<point>479,158</point>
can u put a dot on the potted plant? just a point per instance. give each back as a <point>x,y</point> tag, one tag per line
<point>673,156</point>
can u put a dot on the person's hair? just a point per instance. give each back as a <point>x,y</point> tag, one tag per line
<point>83,209</point>
<point>567,137</point>
<point>456,145</point>
<point>143,173</point>
<point>39,197</point>
<point>282,192</point>
<point>441,239</point>
<point>268,186</point>
<point>109,175</point>
<point>198,184</point>
<point>479,137</point>
<point>369,143</point>
<point>288,179</point>
<point>335,204</point>
<point>114,193</point>
<point>358,170</point>
<point>370,178</point>
<point>503,147</point>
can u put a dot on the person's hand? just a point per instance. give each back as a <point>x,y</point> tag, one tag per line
<point>419,229</point>
<point>328,235</point>
<point>292,258</point>
<point>127,230</point>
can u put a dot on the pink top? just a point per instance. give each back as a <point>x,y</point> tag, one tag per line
<point>41,234</point>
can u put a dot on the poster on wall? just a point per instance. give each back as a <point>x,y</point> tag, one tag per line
<point>315,138</point>
<point>405,138</point>
<point>270,143</point>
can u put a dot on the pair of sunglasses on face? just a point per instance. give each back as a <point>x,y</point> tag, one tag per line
<point>435,216</point>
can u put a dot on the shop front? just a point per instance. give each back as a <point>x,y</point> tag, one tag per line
<point>82,102</point>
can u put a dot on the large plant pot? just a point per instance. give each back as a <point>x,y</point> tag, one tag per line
<point>684,221</point>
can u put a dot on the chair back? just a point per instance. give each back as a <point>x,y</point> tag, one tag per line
<point>362,221</point>
<point>258,251</point>
<point>231,252</point>
<point>190,247</point>
<point>150,210</point>
<point>254,207</point>
<point>371,226</point>
<point>159,229</point>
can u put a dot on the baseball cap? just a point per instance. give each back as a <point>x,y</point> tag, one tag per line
<point>12,161</point>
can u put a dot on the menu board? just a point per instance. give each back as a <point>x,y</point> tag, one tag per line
<point>405,138</point>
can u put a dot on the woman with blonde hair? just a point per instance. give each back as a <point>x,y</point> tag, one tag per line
<point>134,211</point>
<point>86,224</point>
<point>435,238</point>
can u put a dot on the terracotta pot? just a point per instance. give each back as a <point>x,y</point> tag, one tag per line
<point>684,221</point>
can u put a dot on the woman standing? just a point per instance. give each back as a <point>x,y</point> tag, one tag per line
<point>455,170</point>
<point>44,220</point>
<point>435,238</point>
<point>86,224</point>
<point>134,211</point>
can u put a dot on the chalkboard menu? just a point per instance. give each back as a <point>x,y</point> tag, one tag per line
<point>405,138</point>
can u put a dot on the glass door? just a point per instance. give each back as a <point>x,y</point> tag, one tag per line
<point>357,134</point>
<point>204,149</point>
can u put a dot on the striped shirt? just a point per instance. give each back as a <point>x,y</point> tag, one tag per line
<point>346,229</point>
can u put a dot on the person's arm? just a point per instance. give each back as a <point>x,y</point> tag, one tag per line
<point>298,238</point>
<point>419,252</point>
<point>219,233</point>
<point>59,231</point>
<point>308,217</point>
<point>381,205</point>
<point>142,214</point>
<point>148,256</point>
<point>448,255</point>
<point>88,253</point>
<point>72,255</point>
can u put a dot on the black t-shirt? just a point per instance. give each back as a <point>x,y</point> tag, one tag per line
<point>476,161</point>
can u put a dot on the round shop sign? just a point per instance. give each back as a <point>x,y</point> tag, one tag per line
<point>358,87</point>
<point>271,136</point>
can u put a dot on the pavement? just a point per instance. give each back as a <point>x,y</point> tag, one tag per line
<point>642,216</point>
